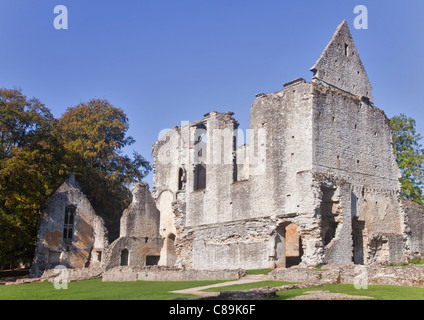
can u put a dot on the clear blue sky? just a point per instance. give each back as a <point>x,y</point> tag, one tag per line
<point>164,62</point>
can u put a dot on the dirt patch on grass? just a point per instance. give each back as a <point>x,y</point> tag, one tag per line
<point>327,295</point>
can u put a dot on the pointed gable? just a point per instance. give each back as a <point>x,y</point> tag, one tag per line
<point>340,65</point>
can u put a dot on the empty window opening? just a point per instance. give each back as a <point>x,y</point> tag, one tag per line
<point>200,143</point>
<point>346,49</point>
<point>358,227</point>
<point>199,176</point>
<point>182,178</point>
<point>124,257</point>
<point>68,225</point>
<point>152,260</point>
<point>329,210</point>
<point>98,256</point>
<point>146,239</point>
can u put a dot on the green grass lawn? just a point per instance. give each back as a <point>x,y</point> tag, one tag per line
<point>258,271</point>
<point>159,290</point>
<point>98,290</point>
<point>248,286</point>
<point>378,292</point>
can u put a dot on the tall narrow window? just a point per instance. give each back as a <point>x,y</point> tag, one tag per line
<point>199,177</point>
<point>68,226</point>
<point>181,179</point>
<point>346,49</point>
<point>124,257</point>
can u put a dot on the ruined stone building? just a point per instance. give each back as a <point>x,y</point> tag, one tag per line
<point>139,241</point>
<point>70,233</point>
<point>317,183</point>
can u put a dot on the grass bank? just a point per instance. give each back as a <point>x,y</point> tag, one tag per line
<point>98,290</point>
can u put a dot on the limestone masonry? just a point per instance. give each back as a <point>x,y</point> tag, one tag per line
<point>318,183</point>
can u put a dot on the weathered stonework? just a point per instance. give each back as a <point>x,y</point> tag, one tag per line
<point>414,221</point>
<point>316,183</point>
<point>69,232</point>
<point>139,242</point>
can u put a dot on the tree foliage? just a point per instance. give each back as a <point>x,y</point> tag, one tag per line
<point>410,157</point>
<point>28,171</point>
<point>37,154</point>
<point>93,135</point>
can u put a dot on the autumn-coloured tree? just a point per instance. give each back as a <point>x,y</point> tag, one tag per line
<point>37,154</point>
<point>30,162</point>
<point>93,135</point>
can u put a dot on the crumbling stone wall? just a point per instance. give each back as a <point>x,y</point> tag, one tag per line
<point>139,242</point>
<point>316,183</point>
<point>160,273</point>
<point>77,242</point>
<point>414,221</point>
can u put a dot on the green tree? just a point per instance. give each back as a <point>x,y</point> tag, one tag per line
<point>29,172</point>
<point>93,135</point>
<point>410,157</point>
<point>37,153</point>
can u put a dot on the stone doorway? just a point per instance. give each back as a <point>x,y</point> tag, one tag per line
<point>288,245</point>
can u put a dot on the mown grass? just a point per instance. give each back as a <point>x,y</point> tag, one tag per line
<point>159,290</point>
<point>258,271</point>
<point>98,290</point>
<point>248,286</point>
<point>378,292</point>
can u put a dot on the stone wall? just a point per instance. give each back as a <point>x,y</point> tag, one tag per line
<point>414,221</point>
<point>359,275</point>
<point>139,242</point>
<point>168,274</point>
<point>319,157</point>
<point>69,232</point>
